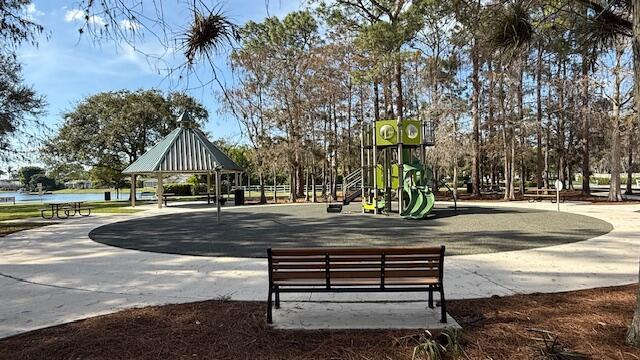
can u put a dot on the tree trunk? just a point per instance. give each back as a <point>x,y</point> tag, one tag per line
<point>512,170</point>
<point>520,94</point>
<point>633,336</point>
<point>539,160</point>
<point>263,196</point>
<point>505,137</point>
<point>630,145</point>
<point>561,117</point>
<point>399,100</point>
<point>475,118</point>
<point>490,122</point>
<point>387,95</point>
<point>586,168</point>
<point>314,198</point>
<point>546,154</point>
<point>615,193</point>
<point>376,100</point>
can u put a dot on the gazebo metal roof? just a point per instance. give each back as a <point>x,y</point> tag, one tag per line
<point>185,150</point>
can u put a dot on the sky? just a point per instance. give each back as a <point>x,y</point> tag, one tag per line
<point>66,67</point>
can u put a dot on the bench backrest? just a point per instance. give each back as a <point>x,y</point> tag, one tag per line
<point>356,263</point>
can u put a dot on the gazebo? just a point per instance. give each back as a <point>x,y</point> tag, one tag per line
<point>186,150</point>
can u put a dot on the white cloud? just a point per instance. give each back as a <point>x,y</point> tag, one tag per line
<point>80,15</point>
<point>96,20</point>
<point>130,25</point>
<point>33,11</point>
<point>74,15</point>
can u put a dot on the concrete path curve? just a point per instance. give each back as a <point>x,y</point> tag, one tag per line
<point>56,274</point>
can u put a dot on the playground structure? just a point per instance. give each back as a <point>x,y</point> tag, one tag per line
<point>393,167</point>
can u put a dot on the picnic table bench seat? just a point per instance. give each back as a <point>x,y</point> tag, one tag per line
<point>387,269</point>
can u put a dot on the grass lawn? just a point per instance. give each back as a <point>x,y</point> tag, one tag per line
<point>6,229</point>
<point>588,324</point>
<point>24,211</point>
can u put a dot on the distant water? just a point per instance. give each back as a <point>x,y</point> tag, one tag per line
<point>23,197</point>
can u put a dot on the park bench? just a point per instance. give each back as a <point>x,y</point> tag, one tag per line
<point>542,194</point>
<point>392,269</point>
<point>8,199</point>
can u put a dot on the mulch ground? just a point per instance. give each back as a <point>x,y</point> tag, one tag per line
<point>592,322</point>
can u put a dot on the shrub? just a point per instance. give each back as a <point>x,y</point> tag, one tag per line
<point>178,189</point>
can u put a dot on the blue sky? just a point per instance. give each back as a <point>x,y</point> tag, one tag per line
<point>65,68</point>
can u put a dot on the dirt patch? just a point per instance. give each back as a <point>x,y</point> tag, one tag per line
<point>591,321</point>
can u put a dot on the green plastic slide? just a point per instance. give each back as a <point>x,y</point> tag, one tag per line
<point>420,199</point>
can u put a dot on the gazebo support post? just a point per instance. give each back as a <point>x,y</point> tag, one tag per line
<point>132,195</point>
<point>159,190</point>
<point>218,193</point>
<point>209,183</point>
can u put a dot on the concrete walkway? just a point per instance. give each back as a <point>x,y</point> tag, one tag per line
<point>56,274</point>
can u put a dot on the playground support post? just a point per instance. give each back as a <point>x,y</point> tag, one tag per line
<point>362,165</point>
<point>400,167</point>
<point>375,176</point>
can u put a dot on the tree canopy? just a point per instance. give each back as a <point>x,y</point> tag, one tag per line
<point>112,129</point>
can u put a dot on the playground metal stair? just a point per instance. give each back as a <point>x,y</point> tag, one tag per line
<point>352,186</point>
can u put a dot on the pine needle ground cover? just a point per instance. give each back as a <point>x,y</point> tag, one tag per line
<point>588,324</point>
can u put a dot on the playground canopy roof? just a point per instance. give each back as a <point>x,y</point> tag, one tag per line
<point>185,150</point>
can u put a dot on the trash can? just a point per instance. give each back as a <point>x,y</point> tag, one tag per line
<point>238,195</point>
<point>107,196</point>
<point>469,188</point>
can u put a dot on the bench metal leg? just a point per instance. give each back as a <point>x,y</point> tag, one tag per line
<point>277,298</point>
<point>443,307</point>
<point>269,304</point>
<point>431,297</point>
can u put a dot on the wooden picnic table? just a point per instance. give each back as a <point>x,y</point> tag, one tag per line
<point>69,208</point>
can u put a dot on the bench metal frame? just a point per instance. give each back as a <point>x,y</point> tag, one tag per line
<point>329,288</point>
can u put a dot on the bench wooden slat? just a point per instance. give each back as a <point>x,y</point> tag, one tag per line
<point>283,275</point>
<point>354,251</point>
<point>409,281</point>
<point>371,265</point>
<point>338,258</point>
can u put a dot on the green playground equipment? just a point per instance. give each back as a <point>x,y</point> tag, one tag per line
<point>390,148</point>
